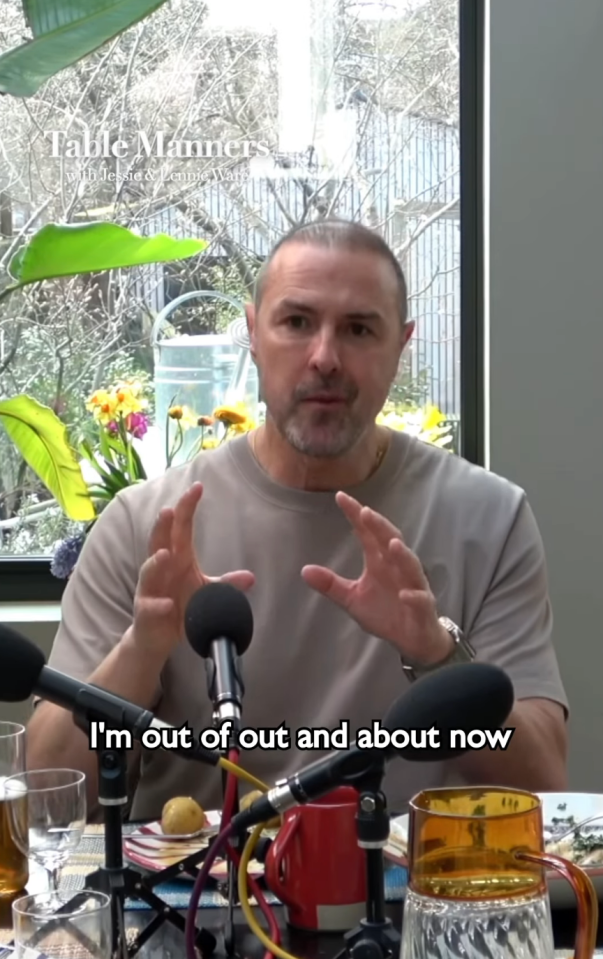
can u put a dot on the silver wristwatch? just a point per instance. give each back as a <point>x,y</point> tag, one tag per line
<point>461,652</point>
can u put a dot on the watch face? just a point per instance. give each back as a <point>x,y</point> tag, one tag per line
<point>461,652</point>
<point>449,625</point>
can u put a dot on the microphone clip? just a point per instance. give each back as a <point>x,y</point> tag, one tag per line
<point>372,820</point>
<point>375,937</point>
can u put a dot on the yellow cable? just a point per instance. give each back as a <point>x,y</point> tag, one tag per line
<point>244,897</point>
<point>242,774</point>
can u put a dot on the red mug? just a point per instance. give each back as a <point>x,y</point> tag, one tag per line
<point>315,866</point>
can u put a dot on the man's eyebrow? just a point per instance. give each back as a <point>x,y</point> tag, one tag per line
<point>298,305</point>
<point>301,307</point>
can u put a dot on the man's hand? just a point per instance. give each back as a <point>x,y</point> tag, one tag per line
<point>392,598</point>
<point>170,576</point>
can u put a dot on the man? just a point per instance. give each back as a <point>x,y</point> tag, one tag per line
<point>367,555</point>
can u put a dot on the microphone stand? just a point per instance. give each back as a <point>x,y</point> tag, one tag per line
<point>118,881</point>
<point>232,883</point>
<point>375,937</point>
<point>220,716</point>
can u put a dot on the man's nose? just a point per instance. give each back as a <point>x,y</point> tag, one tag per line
<point>324,354</point>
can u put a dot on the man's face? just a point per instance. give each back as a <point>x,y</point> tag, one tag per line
<point>327,342</point>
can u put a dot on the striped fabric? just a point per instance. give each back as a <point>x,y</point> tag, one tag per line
<point>90,856</point>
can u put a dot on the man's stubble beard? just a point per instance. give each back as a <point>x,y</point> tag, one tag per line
<point>301,430</point>
<point>335,436</point>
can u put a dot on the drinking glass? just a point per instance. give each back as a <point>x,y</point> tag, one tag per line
<point>477,881</point>
<point>14,866</point>
<point>64,926</point>
<point>47,813</point>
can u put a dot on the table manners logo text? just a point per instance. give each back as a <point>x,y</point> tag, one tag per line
<point>158,145</point>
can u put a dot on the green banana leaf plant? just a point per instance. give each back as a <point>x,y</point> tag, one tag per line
<point>42,440</point>
<point>63,32</point>
<point>66,250</point>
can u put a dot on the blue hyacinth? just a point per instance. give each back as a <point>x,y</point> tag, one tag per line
<point>66,556</point>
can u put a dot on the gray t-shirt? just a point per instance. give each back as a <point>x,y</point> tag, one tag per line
<point>309,664</point>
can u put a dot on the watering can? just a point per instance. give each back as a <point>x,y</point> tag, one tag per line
<point>201,371</point>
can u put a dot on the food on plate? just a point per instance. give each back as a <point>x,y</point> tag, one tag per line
<point>246,801</point>
<point>584,846</point>
<point>580,852</point>
<point>182,815</point>
<point>397,842</point>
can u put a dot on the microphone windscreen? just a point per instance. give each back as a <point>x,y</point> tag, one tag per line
<point>218,611</point>
<point>464,696</point>
<point>21,663</point>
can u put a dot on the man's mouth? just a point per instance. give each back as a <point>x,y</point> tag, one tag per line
<point>324,398</point>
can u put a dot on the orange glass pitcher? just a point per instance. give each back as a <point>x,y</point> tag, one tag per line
<point>477,879</point>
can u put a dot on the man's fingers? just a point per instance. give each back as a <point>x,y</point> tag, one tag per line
<point>379,526</point>
<point>324,581</point>
<point>154,576</point>
<point>367,521</point>
<point>408,565</point>
<point>355,513</point>
<point>150,608</point>
<point>184,511</point>
<point>350,507</point>
<point>152,597</point>
<point>242,579</point>
<point>161,534</point>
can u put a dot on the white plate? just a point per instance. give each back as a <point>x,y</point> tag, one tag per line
<point>149,848</point>
<point>555,806</point>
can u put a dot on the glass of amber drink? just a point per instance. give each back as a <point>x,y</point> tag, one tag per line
<point>14,866</point>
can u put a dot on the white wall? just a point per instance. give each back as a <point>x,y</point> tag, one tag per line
<point>546,317</point>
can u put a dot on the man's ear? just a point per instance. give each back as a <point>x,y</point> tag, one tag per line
<point>409,328</point>
<point>250,315</point>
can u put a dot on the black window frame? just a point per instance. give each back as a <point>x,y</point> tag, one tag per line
<point>472,45</point>
<point>29,579</point>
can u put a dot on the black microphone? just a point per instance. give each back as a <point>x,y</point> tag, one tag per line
<point>464,696</point>
<point>219,625</point>
<point>23,673</point>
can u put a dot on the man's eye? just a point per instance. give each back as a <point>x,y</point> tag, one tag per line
<point>359,329</point>
<point>296,321</point>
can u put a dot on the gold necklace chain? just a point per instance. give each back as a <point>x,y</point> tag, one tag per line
<point>382,450</point>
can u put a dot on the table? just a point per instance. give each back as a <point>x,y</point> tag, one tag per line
<point>168,942</point>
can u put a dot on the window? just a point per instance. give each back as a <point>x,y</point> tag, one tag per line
<point>231,121</point>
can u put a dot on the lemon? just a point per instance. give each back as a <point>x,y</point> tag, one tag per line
<point>182,815</point>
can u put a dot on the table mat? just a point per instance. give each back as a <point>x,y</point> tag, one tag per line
<point>8,951</point>
<point>90,854</point>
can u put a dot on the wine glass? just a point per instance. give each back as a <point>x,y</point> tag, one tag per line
<point>76,926</point>
<point>47,816</point>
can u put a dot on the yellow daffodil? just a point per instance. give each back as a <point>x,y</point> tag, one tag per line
<point>97,399</point>
<point>425,423</point>
<point>119,400</point>
<point>128,399</point>
<point>210,443</point>
<point>103,406</point>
